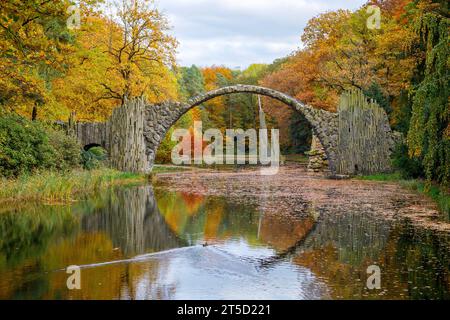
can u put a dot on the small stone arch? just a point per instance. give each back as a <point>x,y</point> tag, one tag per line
<point>91,134</point>
<point>91,145</point>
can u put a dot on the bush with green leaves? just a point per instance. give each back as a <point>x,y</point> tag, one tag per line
<point>24,146</point>
<point>67,150</point>
<point>94,158</point>
<point>27,146</point>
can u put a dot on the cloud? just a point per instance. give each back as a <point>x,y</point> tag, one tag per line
<point>240,32</point>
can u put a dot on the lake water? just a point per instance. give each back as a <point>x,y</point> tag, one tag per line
<point>147,243</point>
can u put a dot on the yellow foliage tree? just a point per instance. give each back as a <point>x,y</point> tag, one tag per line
<point>34,45</point>
<point>116,60</point>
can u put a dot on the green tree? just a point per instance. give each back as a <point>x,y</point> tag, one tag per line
<point>191,82</point>
<point>429,132</point>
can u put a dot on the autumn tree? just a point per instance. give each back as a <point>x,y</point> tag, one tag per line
<point>34,43</point>
<point>142,47</point>
<point>80,90</point>
<point>340,52</point>
<point>216,108</point>
<point>95,69</point>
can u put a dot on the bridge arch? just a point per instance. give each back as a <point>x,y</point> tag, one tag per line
<point>198,100</point>
<point>159,118</point>
<point>357,137</point>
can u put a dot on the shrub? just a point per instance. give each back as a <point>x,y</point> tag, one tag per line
<point>67,150</point>
<point>94,158</point>
<point>24,146</point>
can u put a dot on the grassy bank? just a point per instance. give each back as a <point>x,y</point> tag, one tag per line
<point>160,168</point>
<point>438,194</point>
<point>48,186</point>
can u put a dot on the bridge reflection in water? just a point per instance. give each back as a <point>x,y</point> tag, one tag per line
<point>153,245</point>
<point>132,220</point>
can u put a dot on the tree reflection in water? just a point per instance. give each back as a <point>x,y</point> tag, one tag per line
<point>251,253</point>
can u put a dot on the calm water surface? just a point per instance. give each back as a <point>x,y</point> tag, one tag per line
<point>146,243</point>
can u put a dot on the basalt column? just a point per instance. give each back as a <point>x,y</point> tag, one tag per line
<point>127,142</point>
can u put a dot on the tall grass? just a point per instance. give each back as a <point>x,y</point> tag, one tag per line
<point>169,168</point>
<point>51,186</point>
<point>382,177</point>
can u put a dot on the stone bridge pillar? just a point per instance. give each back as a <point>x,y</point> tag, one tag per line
<point>158,120</point>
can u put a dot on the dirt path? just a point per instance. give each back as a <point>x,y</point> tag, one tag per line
<point>294,191</point>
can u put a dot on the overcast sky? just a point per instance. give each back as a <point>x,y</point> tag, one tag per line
<point>236,33</point>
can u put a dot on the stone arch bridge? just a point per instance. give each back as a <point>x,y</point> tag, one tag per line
<point>134,131</point>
